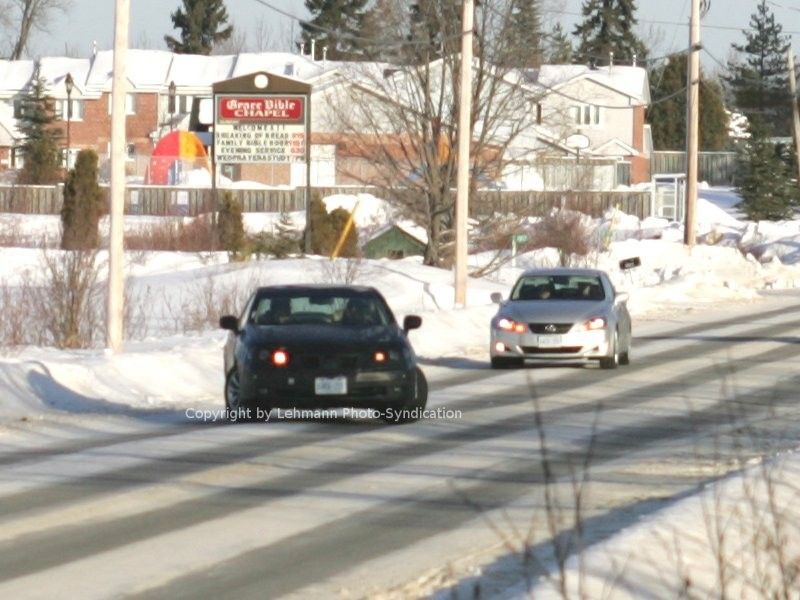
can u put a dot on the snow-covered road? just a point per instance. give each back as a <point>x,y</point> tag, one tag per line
<point>112,505</point>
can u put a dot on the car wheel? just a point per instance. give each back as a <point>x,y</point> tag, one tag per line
<point>612,362</point>
<point>506,362</point>
<point>236,411</point>
<point>625,357</point>
<point>415,404</point>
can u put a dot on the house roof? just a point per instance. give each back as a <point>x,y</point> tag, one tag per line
<point>630,81</point>
<point>54,71</point>
<point>615,147</point>
<point>15,75</point>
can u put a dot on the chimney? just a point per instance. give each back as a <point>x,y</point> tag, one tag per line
<point>634,59</point>
<point>313,49</point>
<point>324,56</point>
<point>302,49</point>
<point>610,61</point>
<point>94,48</point>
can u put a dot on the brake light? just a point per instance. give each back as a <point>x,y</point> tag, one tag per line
<point>513,326</point>
<point>280,358</point>
<point>380,357</point>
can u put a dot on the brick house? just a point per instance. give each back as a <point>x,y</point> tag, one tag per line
<point>606,104</point>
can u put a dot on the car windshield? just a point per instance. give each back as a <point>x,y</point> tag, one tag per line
<point>319,309</point>
<point>558,287</point>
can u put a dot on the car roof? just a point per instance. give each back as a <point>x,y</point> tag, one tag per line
<point>568,271</point>
<point>312,288</point>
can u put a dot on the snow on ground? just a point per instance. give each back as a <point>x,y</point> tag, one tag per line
<point>170,370</point>
<point>737,261</point>
<point>746,523</point>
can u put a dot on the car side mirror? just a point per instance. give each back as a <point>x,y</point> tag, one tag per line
<point>412,322</point>
<point>622,297</point>
<point>497,297</point>
<point>230,323</point>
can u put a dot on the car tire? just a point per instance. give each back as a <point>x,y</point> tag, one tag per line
<point>410,410</point>
<point>613,361</point>
<point>235,410</point>
<point>625,357</point>
<point>506,362</point>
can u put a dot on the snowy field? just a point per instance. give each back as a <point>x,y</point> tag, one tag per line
<point>735,263</point>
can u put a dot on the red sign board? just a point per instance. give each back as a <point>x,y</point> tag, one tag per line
<point>262,109</point>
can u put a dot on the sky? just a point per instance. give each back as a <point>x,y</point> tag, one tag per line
<point>664,21</point>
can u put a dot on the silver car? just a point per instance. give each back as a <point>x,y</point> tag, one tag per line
<point>561,314</point>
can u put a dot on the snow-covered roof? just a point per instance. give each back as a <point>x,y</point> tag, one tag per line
<point>631,81</point>
<point>193,71</point>
<point>280,63</point>
<point>15,75</point>
<point>55,69</point>
<point>146,69</point>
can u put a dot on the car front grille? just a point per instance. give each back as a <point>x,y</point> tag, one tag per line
<point>562,350</point>
<point>545,328</point>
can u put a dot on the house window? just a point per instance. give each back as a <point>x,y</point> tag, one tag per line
<point>130,104</point>
<point>585,114</point>
<point>130,151</point>
<point>77,110</point>
<point>18,108</point>
<point>17,158</point>
<point>184,104</point>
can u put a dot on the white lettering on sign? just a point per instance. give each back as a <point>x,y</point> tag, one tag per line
<point>259,143</point>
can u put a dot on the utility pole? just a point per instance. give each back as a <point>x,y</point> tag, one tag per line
<point>116,249</point>
<point>464,142</point>
<point>692,126</point>
<point>795,109</point>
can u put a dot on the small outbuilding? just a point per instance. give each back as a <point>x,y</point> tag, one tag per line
<point>395,241</point>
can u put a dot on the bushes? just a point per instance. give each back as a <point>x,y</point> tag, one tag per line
<point>83,205</point>
<point>230,228</point>
<point>327,228</point>
<point>566,231</point>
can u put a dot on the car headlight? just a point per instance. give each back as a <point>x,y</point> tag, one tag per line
<point>593,324</point>
<point>510,325</point>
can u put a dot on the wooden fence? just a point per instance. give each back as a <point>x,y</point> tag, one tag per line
<point>163,201</point>
<point>716,168</point>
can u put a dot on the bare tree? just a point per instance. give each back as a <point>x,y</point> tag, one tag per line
<point>29,15</point>
<point>398,117</point>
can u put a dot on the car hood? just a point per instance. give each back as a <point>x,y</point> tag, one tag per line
<point>553,311</point>
<point>320,336</point>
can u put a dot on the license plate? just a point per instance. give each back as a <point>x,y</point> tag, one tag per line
<point>330,386</point>
<point>549,341</point>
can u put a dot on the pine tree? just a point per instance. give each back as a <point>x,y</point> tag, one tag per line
<point>385,24</point>
<point>230,227</point>
<point>201,23</point>
<point>524,35</point>
<point>335,24</point>
<point>759,83</point>
<point>434,28</point>
<point>83,204</point>
<point>40,146</point>
<point>559,47</point>
<point>608,27</point>
<point>667,118</point>
<point>766,186</point>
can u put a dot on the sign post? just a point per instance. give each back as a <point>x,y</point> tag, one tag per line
<point>263,119</point>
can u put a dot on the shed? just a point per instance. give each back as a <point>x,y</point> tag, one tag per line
<point>393,241</point>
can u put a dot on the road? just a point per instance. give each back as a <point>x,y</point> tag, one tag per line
<point>116,506</point>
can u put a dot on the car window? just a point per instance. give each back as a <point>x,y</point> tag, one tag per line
<point>319,309</point>
<point>558,287</point>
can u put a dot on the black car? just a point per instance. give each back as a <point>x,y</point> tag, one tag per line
<point>320,347</point>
